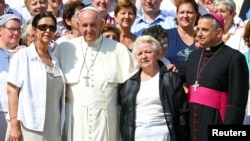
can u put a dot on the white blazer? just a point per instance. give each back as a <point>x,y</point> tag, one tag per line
<point>27,72</point>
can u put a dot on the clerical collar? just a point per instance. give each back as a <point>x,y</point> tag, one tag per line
<point>214,48</point>
<point>95,43</point>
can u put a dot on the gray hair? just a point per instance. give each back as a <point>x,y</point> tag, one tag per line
<point>230,4</point>
<point>146,39</point>
<point>24,31</point>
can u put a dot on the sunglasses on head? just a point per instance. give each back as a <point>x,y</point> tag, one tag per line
<point>44,27</point>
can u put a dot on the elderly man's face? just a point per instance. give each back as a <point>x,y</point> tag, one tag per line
<point>90,25</point>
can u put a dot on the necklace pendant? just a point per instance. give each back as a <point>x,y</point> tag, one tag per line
<point>8,58</point>
<point>86,80</point>
<point>196,84</point>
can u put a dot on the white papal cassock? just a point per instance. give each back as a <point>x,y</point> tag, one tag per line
<point>92,75</point>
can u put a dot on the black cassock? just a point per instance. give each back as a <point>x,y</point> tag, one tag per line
<point>222,69</point>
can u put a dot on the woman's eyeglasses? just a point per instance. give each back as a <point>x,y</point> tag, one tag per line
<point>13,29</point>
<point>32,36</point>
<point>44,27</point>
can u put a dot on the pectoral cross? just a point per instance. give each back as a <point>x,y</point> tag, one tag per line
<point>8,57</point>
<point>86,79</point>
<point>195,85</point>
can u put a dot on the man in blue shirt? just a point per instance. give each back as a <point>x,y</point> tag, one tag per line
<point>151,16</point>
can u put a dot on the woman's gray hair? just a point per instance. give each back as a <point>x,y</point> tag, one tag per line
<point>146,39</point>
<point>24,30</point>
<point>230,4</point>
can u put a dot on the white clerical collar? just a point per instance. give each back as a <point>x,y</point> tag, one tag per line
<point>209,48</point>
<point>95,43</point>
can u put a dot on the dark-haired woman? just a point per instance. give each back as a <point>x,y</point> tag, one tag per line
<point>181,39</point>
<point>36,88</point>
<point>70,20</point>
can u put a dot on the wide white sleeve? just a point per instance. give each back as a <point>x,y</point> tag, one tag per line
<point>16,68</point>
<point>127,65</point>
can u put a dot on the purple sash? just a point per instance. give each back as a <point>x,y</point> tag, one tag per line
<point>209,97</point>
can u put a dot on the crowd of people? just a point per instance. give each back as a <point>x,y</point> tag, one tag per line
<point>122,70</point>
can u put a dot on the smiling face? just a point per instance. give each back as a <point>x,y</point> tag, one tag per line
<point>186,15</point>
<point>90,25</point>
<point>48,35</point>
<point>125,17</point>
<point>10,33</point>
<point>223,10</point>
<point>37,6</point>
<point>207,34</point>
<point>102,6</point>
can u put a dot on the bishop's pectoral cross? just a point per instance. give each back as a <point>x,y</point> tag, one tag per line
<point>195,85</point>
<point>86,79</point>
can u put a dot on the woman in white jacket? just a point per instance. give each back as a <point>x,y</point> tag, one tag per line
<point>36,88</point>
